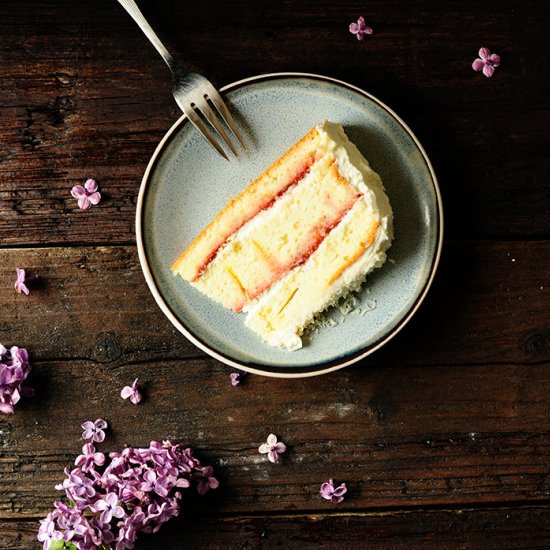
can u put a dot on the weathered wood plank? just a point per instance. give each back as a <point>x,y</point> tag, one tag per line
<point>84,95</point>
<point>498,529</point>
<point>489,304</point>
<point>446,435</point>
<point>398,436</point>
<point>88,302</point>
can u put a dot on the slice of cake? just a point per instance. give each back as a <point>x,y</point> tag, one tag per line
<point>298,238</point>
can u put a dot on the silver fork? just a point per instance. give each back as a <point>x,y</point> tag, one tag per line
<point>192,92</point>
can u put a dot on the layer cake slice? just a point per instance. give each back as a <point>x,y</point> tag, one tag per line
<point>298,238</point>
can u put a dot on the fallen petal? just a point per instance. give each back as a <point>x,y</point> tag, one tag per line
<point>91,186</point>
<point>495,59</point>
<point>488,70</point>
<point>126,392</point>
<point>273,457</point>
<point>135,398</point>
<point>78,191</point>
<point>484,53</point>
<point>83,203</point>
<point>340,491</point>
<point>94,198</point>
<point>478,64</point>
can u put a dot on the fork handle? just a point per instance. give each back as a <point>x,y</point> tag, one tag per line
<point>131,7</point>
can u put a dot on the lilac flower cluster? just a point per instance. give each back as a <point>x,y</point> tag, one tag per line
<point>14,369</point>
<point>136,491</point>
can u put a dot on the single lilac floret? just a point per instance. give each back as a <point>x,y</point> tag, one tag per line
<point>20,286</point>
<point>334,494</point>
<point>94,430</point>
<point>205,479</point>
<point>237,378</point>
<point>77,486</point>
<point>272,448</point>
<point>132,392</point>
<point>109,508</point>
<point>89,458</point>
<point>86,195</point>
<point>360,29</point>
<point>486,62</point>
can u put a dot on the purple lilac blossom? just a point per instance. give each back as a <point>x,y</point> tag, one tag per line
<point>109,508</point>
<point>20,286</point>
<point>89,458</point>
<point>360,29</point>
<point>94,430</point>
<point>237,378</point>
<point>334,494</point>
<point>72,524</point>
<point>273,448</point>
<point>132,392</point>
<point>134,491</point>
<point>486,62</point>
<point>205,479</point>
<point>78,486</point>
<point>14,369</point>
<point>48,532</point>
<point>86,195</point>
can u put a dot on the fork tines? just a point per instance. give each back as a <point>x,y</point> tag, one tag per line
<point>201,105</point>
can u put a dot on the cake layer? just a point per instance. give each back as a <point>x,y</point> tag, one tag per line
<point>280,238</point>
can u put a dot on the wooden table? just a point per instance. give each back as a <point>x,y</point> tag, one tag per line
<point>442,436</point>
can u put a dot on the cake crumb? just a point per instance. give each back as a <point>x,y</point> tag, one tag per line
<point>348,304</point>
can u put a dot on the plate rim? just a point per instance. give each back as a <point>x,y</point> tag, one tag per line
<point>270,370</point>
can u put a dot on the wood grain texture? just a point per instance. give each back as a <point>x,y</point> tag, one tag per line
<point>492,529</point>
<point>83,95</point>
<point>397,436</point>
<point>489,304</point>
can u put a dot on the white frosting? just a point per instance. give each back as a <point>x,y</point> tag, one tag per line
<point>354,167</point>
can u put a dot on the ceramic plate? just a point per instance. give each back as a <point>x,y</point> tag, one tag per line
<point>187,183</point>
